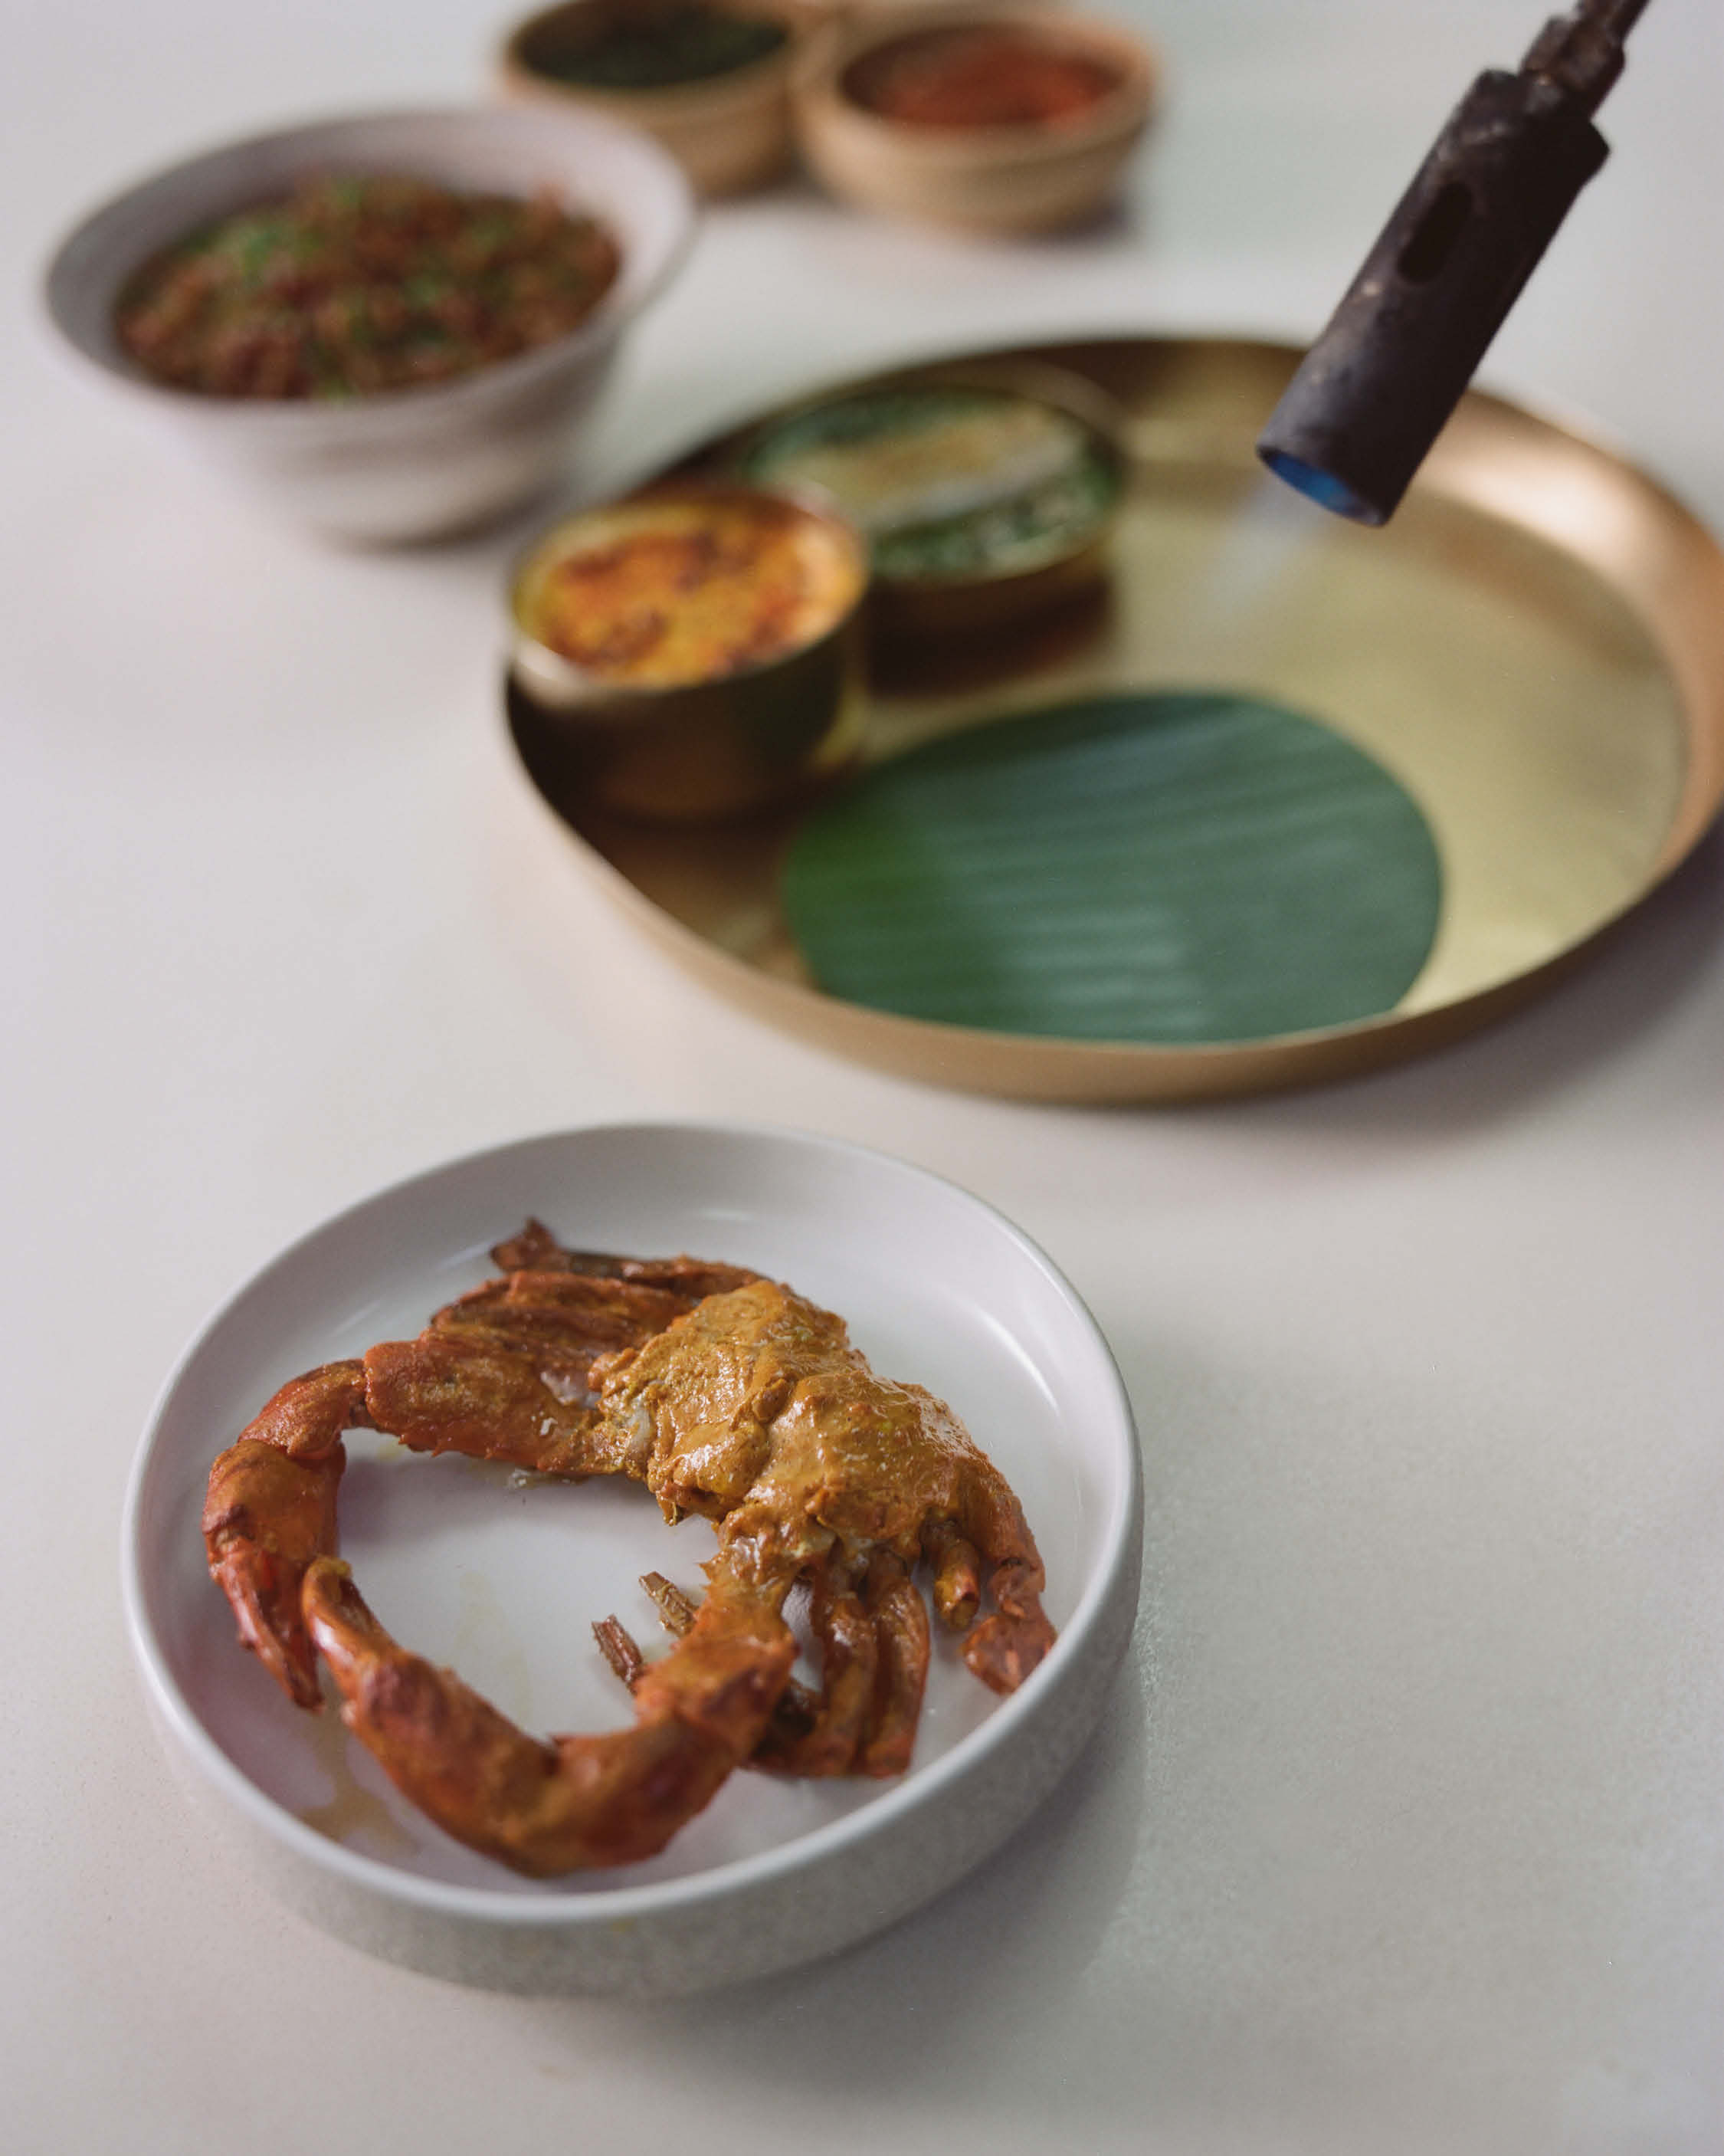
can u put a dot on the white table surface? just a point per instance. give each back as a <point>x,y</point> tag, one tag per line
<point>1402,1832</point>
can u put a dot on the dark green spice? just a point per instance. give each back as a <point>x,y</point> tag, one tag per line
<point>657,48</point>
<point>1041,521</point>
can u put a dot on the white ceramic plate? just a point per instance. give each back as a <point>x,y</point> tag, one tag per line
<point>501,1576</point>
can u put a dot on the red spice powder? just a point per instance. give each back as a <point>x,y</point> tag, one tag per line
<point>979,77</point>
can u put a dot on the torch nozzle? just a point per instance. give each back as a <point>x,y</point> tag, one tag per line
<point>1374,391</point>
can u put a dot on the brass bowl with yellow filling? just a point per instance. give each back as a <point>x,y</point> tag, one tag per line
<point>693,653</point>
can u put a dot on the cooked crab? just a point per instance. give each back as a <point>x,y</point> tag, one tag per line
<point>728,1395</point>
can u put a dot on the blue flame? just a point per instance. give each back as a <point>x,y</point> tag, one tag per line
<point>1321,487</point>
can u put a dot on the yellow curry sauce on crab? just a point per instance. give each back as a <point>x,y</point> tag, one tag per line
<point>678,587</point>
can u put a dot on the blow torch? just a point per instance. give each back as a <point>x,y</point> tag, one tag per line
<point>1372,392</point>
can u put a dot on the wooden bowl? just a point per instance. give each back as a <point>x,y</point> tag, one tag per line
<point>1032,177</point>
<point>730,133</point>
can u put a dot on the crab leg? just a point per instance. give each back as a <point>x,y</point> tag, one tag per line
<point>501,1375</point>
<point>271,1510</point>
<point>843,1709</point>
<point>506,1373</point>
<point>537,1250</point>
<point>900,1619</point>
<point>562,1313</point>
<point>1003,1647</point>
<point>574,1802</point>
<point>957,1576</point>
<point>811,1733</point>
<point>874,1667</point>
<point>442,1394</point>
<point>676,1610</point>
<point>794,1714</point>
<point>800,1732</point>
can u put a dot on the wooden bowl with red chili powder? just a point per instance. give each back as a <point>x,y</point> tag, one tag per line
<point>999,118</point>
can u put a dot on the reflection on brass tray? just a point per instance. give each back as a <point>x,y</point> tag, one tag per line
<point>1534,651</point>
<point>952,666</point>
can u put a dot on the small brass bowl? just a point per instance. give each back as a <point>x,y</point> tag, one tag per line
<point>683,740</point>
<point>962,597</point>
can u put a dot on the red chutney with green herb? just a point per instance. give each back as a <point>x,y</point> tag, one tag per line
<point>357,283</point>
<point>980,75</point>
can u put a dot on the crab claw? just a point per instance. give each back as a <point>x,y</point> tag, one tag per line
<point>572,1801</point>
<point>271,1510</point>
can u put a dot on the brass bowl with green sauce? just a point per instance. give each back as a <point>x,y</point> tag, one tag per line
<point>984,499</point>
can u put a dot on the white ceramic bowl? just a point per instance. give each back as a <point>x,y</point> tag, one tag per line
<point>408,464</point>
<point>501,1577</point>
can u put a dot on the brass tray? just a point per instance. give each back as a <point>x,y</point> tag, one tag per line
<point>1534,649</point>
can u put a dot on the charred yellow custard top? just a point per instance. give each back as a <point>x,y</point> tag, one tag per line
<point>662,592</point>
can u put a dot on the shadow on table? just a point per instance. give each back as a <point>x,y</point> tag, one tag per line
<point>921,2006</point>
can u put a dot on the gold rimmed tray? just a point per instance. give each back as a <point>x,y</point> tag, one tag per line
<point>1534,649</point>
